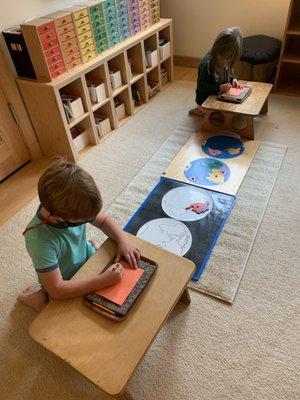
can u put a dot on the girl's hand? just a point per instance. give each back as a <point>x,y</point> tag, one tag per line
<point>236,84</point>
<point>225,87</point>
<point>128,251</point>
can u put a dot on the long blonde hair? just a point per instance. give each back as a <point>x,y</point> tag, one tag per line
<point>225,52</point>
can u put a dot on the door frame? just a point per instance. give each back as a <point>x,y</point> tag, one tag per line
<point>13,97</point>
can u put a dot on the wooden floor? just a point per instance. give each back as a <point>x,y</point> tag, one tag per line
<point>20,188</point>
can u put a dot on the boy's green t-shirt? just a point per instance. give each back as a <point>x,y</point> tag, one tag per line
<point>63,248</point>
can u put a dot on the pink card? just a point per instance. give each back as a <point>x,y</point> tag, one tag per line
<point>119,292</point>
<point>235,91</point>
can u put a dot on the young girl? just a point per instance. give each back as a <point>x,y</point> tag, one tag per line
<point>215,72</point>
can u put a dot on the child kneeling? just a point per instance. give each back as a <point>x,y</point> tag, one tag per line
<point>56,236</point>
<point>215,72</point>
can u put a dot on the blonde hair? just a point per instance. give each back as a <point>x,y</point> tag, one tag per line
<point>225,52</point>
<point>67,191</point>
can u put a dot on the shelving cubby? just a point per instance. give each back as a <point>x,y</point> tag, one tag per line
<point>46,109</point>
<point>105,113</point>
<point>287,79</point>
<point>141,87</point>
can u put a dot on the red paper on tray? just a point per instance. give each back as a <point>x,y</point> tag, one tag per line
<point>119,292</point>
<point>235,91</point>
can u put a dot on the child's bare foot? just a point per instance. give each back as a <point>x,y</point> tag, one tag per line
<point>197,111</point>
<point>36,299</point>
<point>94,243</point>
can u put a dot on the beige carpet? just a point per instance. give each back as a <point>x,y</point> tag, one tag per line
<point>208,350</point>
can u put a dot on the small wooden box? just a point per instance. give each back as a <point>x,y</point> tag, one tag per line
<point>73,107</point>
<point>81,141</point>
<point>115,79</point>
<point>165,51</point>
<point>77,108</point>
<point>97,92</point>
<point>153,88</point>
<point>120,111</point>
<point>103,127</point>
<point>151,58</point>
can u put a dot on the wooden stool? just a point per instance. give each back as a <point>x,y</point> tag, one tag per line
<point>222,116</point>
<point>104,351</point>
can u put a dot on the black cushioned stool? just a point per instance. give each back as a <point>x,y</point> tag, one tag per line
<point>260,54</point>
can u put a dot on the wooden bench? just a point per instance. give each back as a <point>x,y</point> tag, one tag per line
<point>104,351</point>
<point>256,103</point>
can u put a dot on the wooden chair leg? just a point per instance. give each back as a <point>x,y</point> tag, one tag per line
<point>206,126</point>
<point>264,109</point>
<point>185,297</point>
<point>248,132</point>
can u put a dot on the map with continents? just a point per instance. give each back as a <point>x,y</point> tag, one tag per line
<point>167,233</point>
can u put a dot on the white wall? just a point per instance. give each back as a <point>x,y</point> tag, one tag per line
<point>197,22</point>
<point>14,12</point>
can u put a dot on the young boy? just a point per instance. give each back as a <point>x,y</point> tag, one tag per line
<point>56,237</point>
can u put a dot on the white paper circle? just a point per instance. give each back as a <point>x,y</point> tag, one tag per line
<point>168,234</point>
<point>175,202</point>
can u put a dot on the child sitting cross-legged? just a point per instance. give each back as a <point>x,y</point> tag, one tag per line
<point>56,236</point>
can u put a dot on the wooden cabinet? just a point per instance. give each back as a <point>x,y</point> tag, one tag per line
<point>288,73</point>
<point>133,85</point>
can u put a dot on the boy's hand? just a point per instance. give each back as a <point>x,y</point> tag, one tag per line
<point>236,84</point>
<point>225,87</point>
<point>112,275</point>
<point>128,251</point>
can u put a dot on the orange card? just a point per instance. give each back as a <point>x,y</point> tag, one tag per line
<point>119,292</point>
<point>234,91</point>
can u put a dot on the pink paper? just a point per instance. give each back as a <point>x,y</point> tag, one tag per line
<point>235,91</point>
<point>119,292</point>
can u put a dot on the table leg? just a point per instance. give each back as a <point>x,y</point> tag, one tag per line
<point>248,132</point>
<point>264,109</point>
<point>185,297</point>
<point>206,126</point>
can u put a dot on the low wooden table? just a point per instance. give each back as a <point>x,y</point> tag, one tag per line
<point>256,103</point>
<point>104,351</point>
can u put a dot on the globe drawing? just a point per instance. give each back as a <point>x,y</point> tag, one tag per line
<point>168,234</point>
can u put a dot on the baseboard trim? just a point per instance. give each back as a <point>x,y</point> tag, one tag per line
<point>185,61</point>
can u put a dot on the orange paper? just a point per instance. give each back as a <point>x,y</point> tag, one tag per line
<point>234,91</point>
<point>119,292</point>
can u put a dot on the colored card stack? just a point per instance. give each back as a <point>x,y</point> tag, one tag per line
<point>154,11</point>
<point>64,39</point>
<point>66,34</point>
<point>111,20</point>
<point>96,12</point>
<point>43,45</point>
<point>123,18</point>
<point>134,16</point>
<point>144,14</point>
<point>82,24</point>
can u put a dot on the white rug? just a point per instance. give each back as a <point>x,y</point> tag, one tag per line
<point>227,262</point>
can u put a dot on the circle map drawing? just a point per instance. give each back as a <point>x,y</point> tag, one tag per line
<point>222,146</point>
<point>187,203</point>
<point>207,172</point>
<point>169,234</point>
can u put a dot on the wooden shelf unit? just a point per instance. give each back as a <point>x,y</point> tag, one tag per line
<point>45,108</point>
<point>288,72</point>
